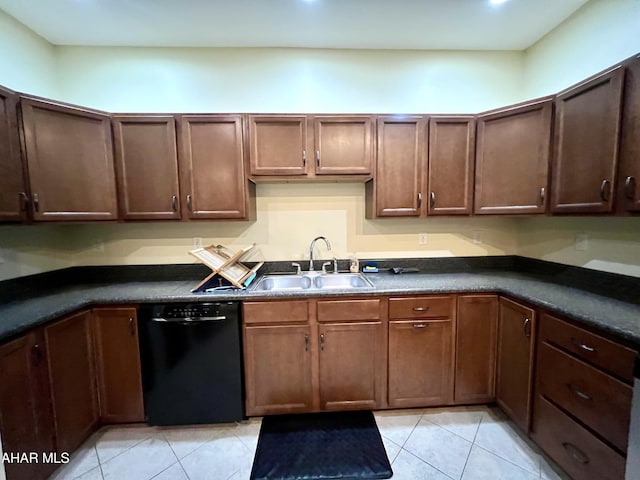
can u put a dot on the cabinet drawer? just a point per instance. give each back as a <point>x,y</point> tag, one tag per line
<point>275,312</point>
<point>608,355</point>
<point>598,400</point>
<point>348,310</point>
<point>420,307</point>
<point>579,453</point>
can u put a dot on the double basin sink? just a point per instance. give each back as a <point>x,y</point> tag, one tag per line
<point>312,281</point>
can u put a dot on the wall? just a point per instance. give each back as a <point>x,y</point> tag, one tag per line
<point>597,36</point>
<point>27,61</point>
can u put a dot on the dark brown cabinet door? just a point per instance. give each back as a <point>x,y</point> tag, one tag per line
<point>420,362</point>
<point>13,193</point>
<point>350,365</point>
<point>476,337</point>
<point>400,168</point>
<point>512,159</point>
<point>118,365</point>
<point>70,158</point>
<point>451,160</point>
<point>146,167</point>
<point>277,363</point>
<point>516,329</point>
<point>212,176</point>
<point>587,128</point>
<point>343,145</point>
<point>278,145</point>
<point>73,382</point>
<point>26,420</point>
<point>629,173</point>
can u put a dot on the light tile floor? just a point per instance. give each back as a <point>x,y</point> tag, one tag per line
<point>468,443</point>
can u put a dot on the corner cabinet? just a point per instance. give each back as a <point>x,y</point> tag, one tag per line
<point>70,161</point>
<point>629,173</point>
<point>146,167</point>
<point>13,193</point>
<point>213,184</point>
<point>516,335</point>
<point>401,163</point>
<point>451,164</point>
<point>512,159</point>
<point>587,129</point>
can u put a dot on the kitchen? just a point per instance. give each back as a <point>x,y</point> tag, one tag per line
<point>122,79</point>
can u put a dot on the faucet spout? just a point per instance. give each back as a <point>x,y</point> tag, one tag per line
<point>312,246</point>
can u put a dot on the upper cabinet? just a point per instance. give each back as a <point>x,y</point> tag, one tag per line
<point>512,159</point>
<point>629,173</point>
<point>587,128</point>
<point>70,160</point>
<point>307,146</point>
<point>451,160</point>
<point>146,167</point>
<point>13,194</point>
<point>212,174</point>
<point>401,162</point>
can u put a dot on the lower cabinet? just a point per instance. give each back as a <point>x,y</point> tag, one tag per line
<point>516,327</point>
<point>72,375</point>
<point>26,418</point>
<point>118,365</point>
<point>421,351</point>
<point>476,338</point>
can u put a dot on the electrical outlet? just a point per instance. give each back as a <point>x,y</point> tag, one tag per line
<point>582,242</point>
<point>197,242</point>
<point>422,239</point>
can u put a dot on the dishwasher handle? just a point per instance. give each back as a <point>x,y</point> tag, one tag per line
<point>218,318</point>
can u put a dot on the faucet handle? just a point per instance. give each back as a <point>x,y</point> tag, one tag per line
<point>324,266</point>
<point>335,265</point>
<point>298,268</point>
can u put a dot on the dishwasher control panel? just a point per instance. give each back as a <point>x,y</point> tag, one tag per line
<point>185,311</point>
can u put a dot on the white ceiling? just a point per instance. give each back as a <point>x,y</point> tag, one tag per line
<point>378,24</point>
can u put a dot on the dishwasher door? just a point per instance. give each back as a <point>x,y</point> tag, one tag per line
<point>191,370</point>
<point>633,449</point>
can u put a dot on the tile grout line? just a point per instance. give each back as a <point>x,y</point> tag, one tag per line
<point>175,455</point>
<point>473,442</point>
<point>509,461</point>
<point>121,453</point>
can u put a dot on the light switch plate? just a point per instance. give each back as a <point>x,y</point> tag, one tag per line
<point>197,242</point>
<point>422,239</point>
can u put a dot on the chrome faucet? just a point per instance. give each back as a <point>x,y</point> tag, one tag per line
<point>312,246</point>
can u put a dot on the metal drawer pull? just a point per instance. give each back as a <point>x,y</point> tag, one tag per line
<point>304,158</point>
<point>189,206</point>
<point>432,199</point>
<point>174,203</point>
<point>630,188</point>
<point>306,343</point>
<point>36,202</point>
<point>582,346</point>
<point>542,195</point>
<point>24,201</point>
<point>420,309</point>
<point>604,190</point>
<point>420,325</point>
<point>575,453</point>
<point>579,393</point>
<point>526,327</point>
<point>318,157</point>
<point>322,341</point>
<point>132,327</point>
<point>419,199</point>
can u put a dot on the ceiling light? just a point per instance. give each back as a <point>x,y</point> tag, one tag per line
<point>497,2</point>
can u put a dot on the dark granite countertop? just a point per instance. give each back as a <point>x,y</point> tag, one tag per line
<point>607,302</point>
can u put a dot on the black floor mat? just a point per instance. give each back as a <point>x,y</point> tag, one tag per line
<point>320,446</point>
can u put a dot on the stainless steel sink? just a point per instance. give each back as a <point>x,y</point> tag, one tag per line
<point>312,281</point>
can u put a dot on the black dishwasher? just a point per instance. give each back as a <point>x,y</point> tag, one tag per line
<point>191,362</point>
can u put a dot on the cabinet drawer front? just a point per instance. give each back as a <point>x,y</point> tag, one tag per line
<point>598,400</point>
<point>579,453</point>
<point>348,310</point>
<point>421,307</point>
<point>275,312</point>
<point>608,355</point>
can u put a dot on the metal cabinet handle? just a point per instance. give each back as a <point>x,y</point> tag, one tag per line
<point>132,327</point>
<point>583,346</point>
<point>174,203</point>
<point>322,341</point>
<point>318,157</point>
<point>605,190</point>
<point>420,309</point>
<point>542,195</point>
<point>420,325</point>
<point>38,356</point>
<point>304,158</point>
<point>189,206</point>
<point>526,326</point>
<point>579,393</point>
<point>630,188</point>
<point>36,202</point>
<point>24,201</point>
<point>306,343</point>
<point>575,453</point>
<point>419,199</point>
<point>432,199</point>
